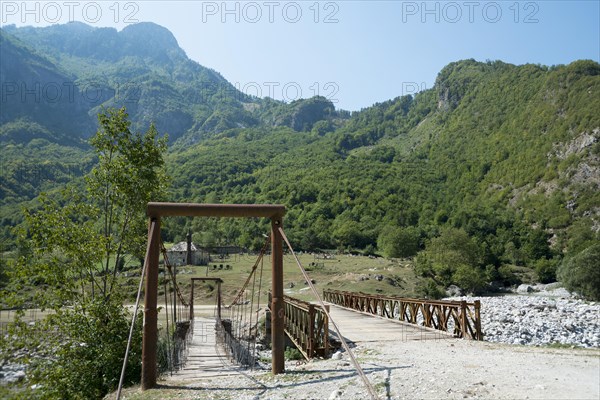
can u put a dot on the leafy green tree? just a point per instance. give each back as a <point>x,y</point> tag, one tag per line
<point>129,174</point>
<point>3,274</point>
<point>399,242</point>
<point>84,351</point>
<point>581,274</point>
<point>580,236</point>
<point>445,253</point>
<point>507,276</point>
<point>347,232</point>
<point>512,253</point>
<point>429,289</point>
<point>63,250</point>
<point>73,248</point>
<point>536,245</point>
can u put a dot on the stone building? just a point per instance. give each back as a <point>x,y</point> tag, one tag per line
<point>187,253</point>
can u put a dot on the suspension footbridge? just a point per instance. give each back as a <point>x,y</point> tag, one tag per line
<point>215,346</point>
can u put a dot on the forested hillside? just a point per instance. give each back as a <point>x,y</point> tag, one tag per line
<point>496,165</point>
<point>55,80</point>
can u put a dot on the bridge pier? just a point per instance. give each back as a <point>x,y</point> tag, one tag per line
<point>277,303</point>
<point>150,336</point>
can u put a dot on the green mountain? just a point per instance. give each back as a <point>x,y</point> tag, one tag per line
<point>507,154</point>
<point>56,79</point>
<point>142,68</point>
<point>38,97</point>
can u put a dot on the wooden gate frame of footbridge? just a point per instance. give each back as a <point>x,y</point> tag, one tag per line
<point>155,212</point>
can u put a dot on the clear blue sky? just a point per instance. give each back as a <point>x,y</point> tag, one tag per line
<point>354,52</point>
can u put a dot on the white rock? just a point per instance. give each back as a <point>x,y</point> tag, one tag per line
<point>538,319</point>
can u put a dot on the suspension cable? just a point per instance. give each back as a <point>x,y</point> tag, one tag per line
<point>168,264</point>
<point>360,371</point>
<point>258,308</point>
<point>260,256</point>
<point>251,339</point>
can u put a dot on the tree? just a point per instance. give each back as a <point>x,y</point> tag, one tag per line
<point>581,273</point>
<point>536,245</point>
<point>469,278</point>
<point>74,247</point>
<point>399,242</point>
<point>128,175</point>
<point>3,274</point>
<point>444,254</point>
<point>545,270</point>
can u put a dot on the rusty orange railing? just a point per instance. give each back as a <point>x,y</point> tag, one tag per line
<point>460,318</point>
<point>307,326</point>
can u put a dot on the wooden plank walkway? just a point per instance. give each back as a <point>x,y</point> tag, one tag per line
<point>360,327</point>
<point>205,358</point>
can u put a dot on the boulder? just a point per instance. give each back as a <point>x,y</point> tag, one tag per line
<point>525,288</point>
<point>454,291</point>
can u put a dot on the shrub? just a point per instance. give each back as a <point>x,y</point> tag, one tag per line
<point>508,277</point>
<point>545,270</point>
<point>428,289</point>
<point>469,278</point>
<point>399,242</point>
<point>292,353</point>
<point>581,273</point>
<point>491,273</point>
<point>85,348</point>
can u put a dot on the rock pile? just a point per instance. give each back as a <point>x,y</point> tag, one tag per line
<point>540,319</point>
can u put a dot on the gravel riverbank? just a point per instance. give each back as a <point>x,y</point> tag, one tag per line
<point>544,317</point>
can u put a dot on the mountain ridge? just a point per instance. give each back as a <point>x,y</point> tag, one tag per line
<point>138,65</point>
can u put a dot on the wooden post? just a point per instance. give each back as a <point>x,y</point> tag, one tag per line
<point>219,301</point>
<point>463,319</point>
<point>312,341</point>
<point>277,306</point>
<point>326,330</point>
<point>478,320</point>
<point>150,337</point>
<point>192,302</point>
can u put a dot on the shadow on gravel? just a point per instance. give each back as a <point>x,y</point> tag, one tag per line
<point>259,388</point>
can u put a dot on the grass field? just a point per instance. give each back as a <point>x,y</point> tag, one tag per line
<point>342,272</point>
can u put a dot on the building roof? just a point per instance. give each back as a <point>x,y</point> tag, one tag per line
<point>182,246</point>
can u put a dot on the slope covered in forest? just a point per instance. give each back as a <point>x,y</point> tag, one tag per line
<point>499,159</point>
